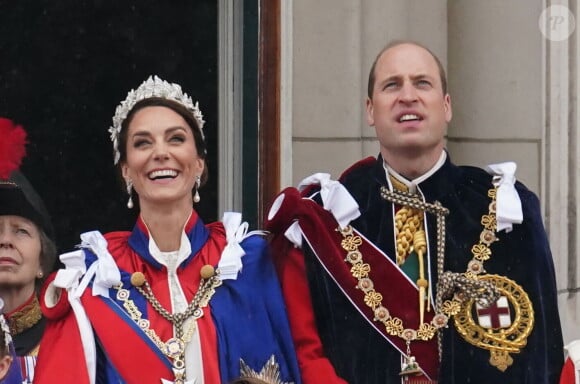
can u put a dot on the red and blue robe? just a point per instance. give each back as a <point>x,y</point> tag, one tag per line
<point>245,319</point>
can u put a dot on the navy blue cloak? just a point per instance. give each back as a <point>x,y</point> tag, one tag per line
<point>361,356</point>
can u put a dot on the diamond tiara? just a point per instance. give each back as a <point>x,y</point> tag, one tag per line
<point>152,87</point>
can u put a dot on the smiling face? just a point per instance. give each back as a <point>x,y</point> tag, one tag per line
<point>19,253</point>
<point>162,160</point>
<point>408,107</point>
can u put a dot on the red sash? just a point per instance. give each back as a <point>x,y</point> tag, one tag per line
<point>132,353</point>
<point>400,295</point>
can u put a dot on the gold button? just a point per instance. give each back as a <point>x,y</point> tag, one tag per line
<point>137,279</point>
<point>207,271</point>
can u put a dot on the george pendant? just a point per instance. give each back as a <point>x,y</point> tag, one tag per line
<point>179,373</point>
<point>410,367</point>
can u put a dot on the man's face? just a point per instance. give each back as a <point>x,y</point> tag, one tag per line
<point>408,108</point>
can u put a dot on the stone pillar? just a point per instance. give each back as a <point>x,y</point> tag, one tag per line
<point>562,160</point>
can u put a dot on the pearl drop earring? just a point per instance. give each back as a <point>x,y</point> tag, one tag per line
<point>130,193</point>
<point>196,197</point>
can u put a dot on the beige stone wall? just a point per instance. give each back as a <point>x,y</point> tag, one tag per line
<point>485,45</point>
<point>495,71</point>
<point>334,43</point>
<point>509,95</point>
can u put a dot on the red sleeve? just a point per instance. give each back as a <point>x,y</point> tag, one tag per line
<point>61,355</point>
<point>292,271</point>
<point>568,373</point>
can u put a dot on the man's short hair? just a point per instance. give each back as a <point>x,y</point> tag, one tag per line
<point>395,43</point>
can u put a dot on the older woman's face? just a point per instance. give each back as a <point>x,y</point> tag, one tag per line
<point>162,160</point>
<point>19,252</point>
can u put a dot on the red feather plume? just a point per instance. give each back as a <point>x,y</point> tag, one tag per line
<point>12,147</point>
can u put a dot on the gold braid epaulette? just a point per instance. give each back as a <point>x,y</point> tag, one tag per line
<point>25,318</point>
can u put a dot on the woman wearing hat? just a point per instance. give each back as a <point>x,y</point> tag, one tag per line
<point>175,300</point>
<point>27,251</point>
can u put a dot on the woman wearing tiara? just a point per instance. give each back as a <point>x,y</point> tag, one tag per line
<point>175,300</point>
<point>27,252</point>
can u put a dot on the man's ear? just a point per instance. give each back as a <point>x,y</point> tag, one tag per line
<point>447,107</point>
<point>370,112</point>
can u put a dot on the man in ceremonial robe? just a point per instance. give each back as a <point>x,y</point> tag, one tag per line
<point>411,269</point>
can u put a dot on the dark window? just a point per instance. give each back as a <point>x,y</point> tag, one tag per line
<point>66,64</point>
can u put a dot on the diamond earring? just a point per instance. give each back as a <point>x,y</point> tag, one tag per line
<point>196,197</point>
<point>130,193</point>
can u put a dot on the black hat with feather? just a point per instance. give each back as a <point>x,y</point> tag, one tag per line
<point>17,196</point>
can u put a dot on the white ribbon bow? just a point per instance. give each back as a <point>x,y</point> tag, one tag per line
<point>508,203</point>
<point>294,234</point>
<point>231,259</point>
<point>335,198</point>
<point>104,268</point>
<point>68,278</point>
<point>106,275</point>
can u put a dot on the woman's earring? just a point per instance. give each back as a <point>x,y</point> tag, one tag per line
<point>196,197</point>
<point>40,275</point>
<point>130,193</point>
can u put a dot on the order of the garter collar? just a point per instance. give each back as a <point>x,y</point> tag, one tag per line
<point>152,87</point>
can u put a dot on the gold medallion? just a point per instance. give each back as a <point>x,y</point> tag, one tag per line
<point>499,340</point>
<point>174,347</point>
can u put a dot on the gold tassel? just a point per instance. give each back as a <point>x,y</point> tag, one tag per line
<point>420,245</point>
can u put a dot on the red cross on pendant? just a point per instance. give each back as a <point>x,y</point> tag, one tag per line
<point>496,315</point>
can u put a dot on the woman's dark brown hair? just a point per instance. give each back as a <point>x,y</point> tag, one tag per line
<point>47,257</point>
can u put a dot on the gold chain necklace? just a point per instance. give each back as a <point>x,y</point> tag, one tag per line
<point>173,348</point>
<point>462,286</point>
